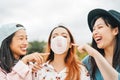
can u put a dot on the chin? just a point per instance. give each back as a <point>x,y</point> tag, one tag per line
<point>23,53</point>
<point>99,46</point>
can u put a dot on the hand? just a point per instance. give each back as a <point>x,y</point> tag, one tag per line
<point>35,60</point>
<point>35,67</point>
<point>80,48</point>
<point>87,48</point>
<point>35,57</point>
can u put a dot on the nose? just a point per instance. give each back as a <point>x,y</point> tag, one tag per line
<point>95,32</point>
<point>25,42</point>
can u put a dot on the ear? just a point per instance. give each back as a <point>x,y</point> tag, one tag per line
<point>70,45</point>
<point>115,31</point>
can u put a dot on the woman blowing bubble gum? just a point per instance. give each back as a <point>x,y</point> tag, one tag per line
<point>62,63</point>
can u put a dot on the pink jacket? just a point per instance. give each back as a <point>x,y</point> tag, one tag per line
<point>20,71</point>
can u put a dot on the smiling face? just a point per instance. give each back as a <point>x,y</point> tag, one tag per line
<point>19,44</point>
<point>103,34</point>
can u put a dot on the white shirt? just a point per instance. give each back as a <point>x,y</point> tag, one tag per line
<point>48,73</point>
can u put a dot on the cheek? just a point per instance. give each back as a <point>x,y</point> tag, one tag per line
<point>14,44</point>
<point>13,48</point>
<point>68,43</point>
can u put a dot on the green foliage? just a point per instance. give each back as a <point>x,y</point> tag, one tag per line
<point>81,55</point>
<point>39,46</point>
<point>36,46</point>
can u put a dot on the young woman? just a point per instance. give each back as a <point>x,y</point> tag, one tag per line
<point>103,61</point>
<point>13,46</point>
<point>62,63</point>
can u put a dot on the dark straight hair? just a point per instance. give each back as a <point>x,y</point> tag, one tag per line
<point>7,60</point>
<point>116,57</point>
<point>6,56</point>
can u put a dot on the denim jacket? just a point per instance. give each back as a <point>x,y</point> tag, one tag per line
<point>98,75</point>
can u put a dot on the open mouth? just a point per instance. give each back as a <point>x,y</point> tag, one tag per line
<point>24,49</point>
<point>98,39</point>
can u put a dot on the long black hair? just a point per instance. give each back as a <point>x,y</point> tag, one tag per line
<point>116,57</point>
<point>7,60</point>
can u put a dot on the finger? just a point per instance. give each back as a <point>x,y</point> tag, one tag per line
<point>38,58</point>
<point>81,50</point>
<point>36,67</point>
<point>76,45</point>
<point>44,54</point>
<point>33,58</point>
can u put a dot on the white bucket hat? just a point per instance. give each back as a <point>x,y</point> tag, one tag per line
<point>8,29</point>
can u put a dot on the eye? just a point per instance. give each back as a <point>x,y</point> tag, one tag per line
<point>26,38</point>
<point>65,36</point>
<point>53,36</point>
<point>93,29</point>
<point>99,27</point>
<point>21,38</point>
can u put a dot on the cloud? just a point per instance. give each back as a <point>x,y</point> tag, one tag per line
<point>40,16</point>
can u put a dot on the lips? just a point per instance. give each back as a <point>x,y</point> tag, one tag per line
<point>98,39</point>
<point>24,49</point>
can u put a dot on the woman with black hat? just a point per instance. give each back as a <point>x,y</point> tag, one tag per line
<point>103,62</point>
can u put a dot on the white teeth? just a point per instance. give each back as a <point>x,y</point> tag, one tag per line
<point>97,38</point>
<point>24,48</point>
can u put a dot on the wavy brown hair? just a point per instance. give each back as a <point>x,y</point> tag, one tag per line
<point>71,61</point>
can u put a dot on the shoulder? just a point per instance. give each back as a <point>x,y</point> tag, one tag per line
<point>45,67</point>
<point>119,76</point>
<point>83,69</point>
<point>86,62</point>
<point>2,73</point>
<point>84,73</point>
<point>85,59</point>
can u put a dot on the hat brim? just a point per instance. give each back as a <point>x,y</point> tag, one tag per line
<point>96,12</point>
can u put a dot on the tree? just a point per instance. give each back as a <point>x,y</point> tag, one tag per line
<point>36,46</point>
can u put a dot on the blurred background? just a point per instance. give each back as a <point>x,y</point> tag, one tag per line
<point>41,16</point>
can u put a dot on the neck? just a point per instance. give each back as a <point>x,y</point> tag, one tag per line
<point>16,57</point>
<point>58,62</point>
<point>109,53</point>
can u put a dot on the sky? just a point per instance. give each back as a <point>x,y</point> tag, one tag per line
<point>40,16</point>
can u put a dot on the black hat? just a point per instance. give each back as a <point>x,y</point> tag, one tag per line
<point>101,12</point>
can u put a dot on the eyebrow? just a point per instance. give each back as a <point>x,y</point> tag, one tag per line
<point>62,33</point>
<point>21,35</point>
<point>65,33</point>
<point>97,25</point>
